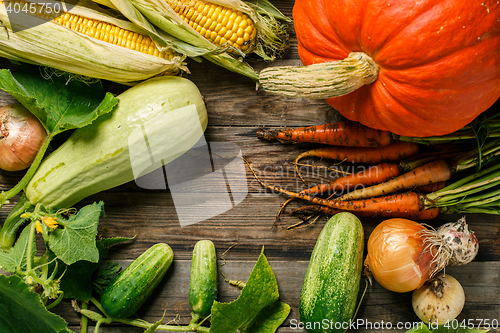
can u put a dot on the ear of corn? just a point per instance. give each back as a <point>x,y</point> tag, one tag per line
<point>85,42</point>
<point>222,31</point>
<point>222,26</point>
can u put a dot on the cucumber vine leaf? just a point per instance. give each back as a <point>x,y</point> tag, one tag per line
<point>77,239</point>
<point>17,258</point>
<point>61,103</point>
<point>21,310</point>
<point>257,309</point>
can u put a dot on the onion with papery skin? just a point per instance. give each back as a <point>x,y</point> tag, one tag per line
<point>397,258</point>
<point>439,300</point>
<point>403,254</point>
<point>21,136</point>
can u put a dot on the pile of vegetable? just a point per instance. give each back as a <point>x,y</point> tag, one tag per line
<point>402,178</point>
<point>411,78</point>
<point>119,301</point>
<point>402,256</point>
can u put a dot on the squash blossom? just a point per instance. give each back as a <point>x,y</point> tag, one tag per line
<point>49,222</point>
<point>38,227</point>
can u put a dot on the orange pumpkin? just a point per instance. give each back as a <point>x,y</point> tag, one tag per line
<point>438,61</point>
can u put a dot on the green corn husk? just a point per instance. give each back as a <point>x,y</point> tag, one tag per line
<point>53,45</point>
<point>156,16</point>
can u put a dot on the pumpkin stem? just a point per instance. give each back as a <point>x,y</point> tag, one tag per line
<point>322,80</point>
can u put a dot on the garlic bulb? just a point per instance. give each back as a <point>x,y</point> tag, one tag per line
<point>462,243</point>
<point>21,136</point>
<point>452,244</point>
<point>439,300</point>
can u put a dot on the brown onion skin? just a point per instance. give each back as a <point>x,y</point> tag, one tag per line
<point>396,255</point>
<point>21,136</point>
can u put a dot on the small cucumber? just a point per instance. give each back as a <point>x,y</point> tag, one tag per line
<point>124,296</point>
<point>203,283</point>
<point>329,293</point>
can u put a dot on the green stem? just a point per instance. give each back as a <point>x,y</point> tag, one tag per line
<point>482,200</point>
<point>99,306</point>
<point>434,140</point>
<point>465,196</point>
<point>171,328</point>
<point>461,192</point>
<point>478,155</point>
<point>29,174</point>
<point>465,133</point>
<point>192,327</point>
<point>451,189</point>
<point>57,301</point>
<point>472,210</point>
<point>30,247</point>
<point>8,233</point>
<point>84,320</point>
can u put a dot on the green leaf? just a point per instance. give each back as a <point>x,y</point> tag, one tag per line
<point>269,318</point>
<point>18,257</point>
<point>59,102</point>
<point>77,239</point>
<point>21,310</point>
<point>152,328</point>
<point>105,276</point>
<point>77,282</point>
<point>246,313</point>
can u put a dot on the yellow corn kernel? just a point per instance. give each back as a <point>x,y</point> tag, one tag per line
<point>218,24</point>
<point>103,31</point>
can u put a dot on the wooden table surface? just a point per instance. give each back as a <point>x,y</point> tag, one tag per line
<point>236,109</point>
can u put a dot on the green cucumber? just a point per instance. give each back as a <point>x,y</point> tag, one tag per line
<point>124,296</point>
<point>158,120</point>
<point>203,283</point>
<point>329,294</point>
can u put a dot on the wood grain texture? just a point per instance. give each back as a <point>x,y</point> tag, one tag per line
<point>236,109</point>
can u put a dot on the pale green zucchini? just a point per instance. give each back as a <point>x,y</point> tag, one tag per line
<point>161,118</point>
<point>330,290</point>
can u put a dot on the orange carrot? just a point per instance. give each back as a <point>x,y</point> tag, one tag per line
<point>394,152</point>
<point>374,174</point>
<point>342,133</point>
<point>433,172</point>
<point>425,214</point>
<point>429,188</point>
<point>399,203</point>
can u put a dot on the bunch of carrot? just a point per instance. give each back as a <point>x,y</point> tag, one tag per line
<point>400,180</point>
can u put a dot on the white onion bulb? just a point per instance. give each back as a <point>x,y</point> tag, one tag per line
<point>439,300</point>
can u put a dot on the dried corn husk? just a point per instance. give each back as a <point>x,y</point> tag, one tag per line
<point>53,45</point>
<point>272,30</point>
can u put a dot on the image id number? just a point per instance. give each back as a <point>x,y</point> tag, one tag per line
<point>32,7</point>
<point>472,323</point>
